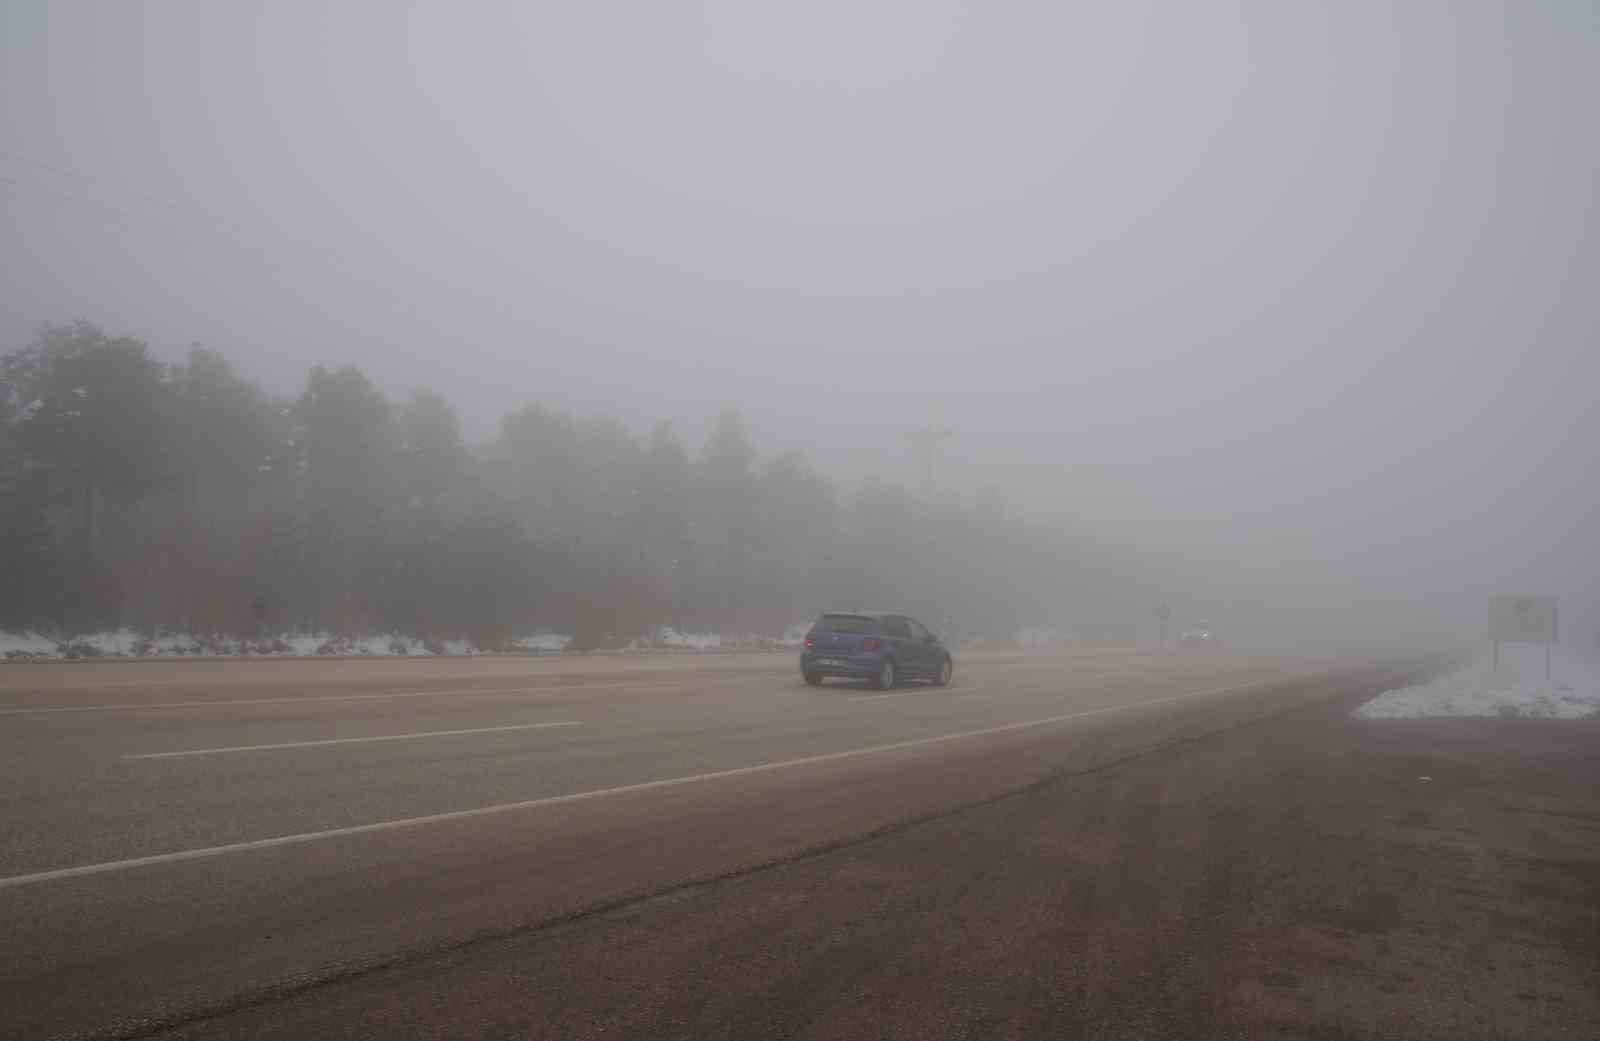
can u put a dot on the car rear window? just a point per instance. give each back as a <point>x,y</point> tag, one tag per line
<point>846,623</point>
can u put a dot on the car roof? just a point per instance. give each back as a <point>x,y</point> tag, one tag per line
<point>876,615</point>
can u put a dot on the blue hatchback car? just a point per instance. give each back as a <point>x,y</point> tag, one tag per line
<point>883,649</point>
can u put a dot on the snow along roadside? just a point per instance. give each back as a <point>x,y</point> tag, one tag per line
<point>1517,689</point>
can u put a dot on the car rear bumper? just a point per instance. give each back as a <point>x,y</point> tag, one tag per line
<point>859,666</point>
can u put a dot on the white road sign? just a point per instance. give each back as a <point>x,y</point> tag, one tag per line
<point>1522,619</point>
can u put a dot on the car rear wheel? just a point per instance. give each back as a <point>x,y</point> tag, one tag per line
<point>886,677</point>
<point>813,679</point>
<point>947,669</point>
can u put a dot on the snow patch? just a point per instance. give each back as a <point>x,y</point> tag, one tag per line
<point>1516,689</point>
<point>304,646</point>
<point>1042,638</point>
<point>543,643</point>
<point>18,645</point>
<point>669,637</point>
<point>125,643</point>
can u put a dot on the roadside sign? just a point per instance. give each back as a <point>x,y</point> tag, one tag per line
<point>1524,619</point>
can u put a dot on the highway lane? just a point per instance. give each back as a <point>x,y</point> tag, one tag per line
<point>772,768</point>
<point>74,791</point>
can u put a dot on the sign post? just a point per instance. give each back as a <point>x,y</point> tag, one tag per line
<point>1163,613</point>
<point>1524,619</point>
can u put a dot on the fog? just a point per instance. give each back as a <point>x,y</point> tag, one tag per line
<point>1288,309</point>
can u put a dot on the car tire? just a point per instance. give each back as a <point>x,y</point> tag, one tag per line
<point>886,677</point>
<point>947,669</point>
<point>813,679</point>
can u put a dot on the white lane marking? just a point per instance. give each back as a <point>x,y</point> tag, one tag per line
<point>911,693</point>
<point>458,692</point>
<point>557,800</point>
<point>352,740</point>
<point>964,691</point>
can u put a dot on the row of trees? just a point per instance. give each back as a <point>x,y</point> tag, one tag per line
<point>140,494</point>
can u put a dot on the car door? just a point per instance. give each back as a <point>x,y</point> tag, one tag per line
<point>906,651</point>
<point>928,649</point>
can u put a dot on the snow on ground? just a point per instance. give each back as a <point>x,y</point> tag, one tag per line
<point>1516,689</point>
<point>18,644</point>
<point>305,646</point>
<point>669,637</point>
<point>1041,638</point>
<point>125,643</point>
<point>543,642</point>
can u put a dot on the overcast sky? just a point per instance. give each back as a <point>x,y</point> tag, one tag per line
<point>1317,284</point>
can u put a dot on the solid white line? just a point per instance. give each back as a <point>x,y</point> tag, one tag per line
<point>556,800</point>
<point>964,691</point>
<point>352,740</point>
<point>335,697</point>
<point>909,693</point>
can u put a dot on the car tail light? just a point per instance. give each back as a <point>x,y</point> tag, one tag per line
<point>810,642</point>
<point>871,643</point>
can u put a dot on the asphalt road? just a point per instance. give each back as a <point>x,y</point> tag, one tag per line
<point>185,844</point>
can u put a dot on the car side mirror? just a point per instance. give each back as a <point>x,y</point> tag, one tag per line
<point>930,638</point>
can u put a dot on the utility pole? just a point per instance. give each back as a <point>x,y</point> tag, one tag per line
<point>925,443</point>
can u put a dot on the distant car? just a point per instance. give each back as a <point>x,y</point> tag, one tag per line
<point>883,649</point>
<point>1199,636</point>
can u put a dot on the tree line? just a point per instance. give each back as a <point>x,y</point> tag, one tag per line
<point>181,497</point>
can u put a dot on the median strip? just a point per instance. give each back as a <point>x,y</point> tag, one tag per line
<point>108,867</point>
<point>351,740</point>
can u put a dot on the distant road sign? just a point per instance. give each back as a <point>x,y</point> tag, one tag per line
<point>1523,619</point>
